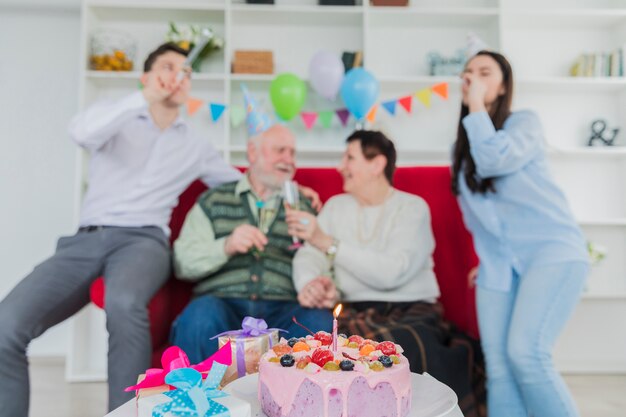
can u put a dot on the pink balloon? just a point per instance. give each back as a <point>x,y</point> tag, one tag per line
<point>326,74</point>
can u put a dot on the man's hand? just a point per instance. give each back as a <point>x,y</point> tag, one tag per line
<point>313,196</point>
<point>155,89</point>
<point>243,238</point>
<point>321,292</point>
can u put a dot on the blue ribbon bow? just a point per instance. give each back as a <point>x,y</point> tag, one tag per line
<point>192,398</point>
<point>250,327</point>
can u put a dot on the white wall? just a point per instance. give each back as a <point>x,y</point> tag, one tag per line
<point>38,96</point>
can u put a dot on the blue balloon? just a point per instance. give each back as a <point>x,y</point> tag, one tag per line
<point>359,92</point>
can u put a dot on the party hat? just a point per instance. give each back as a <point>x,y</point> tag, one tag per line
<point>256,120</point>
<point>474,45</point>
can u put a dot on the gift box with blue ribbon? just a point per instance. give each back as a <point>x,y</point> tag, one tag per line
<point>193,397</point>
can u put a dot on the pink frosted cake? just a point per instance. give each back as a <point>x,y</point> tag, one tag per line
<point>305,378</point>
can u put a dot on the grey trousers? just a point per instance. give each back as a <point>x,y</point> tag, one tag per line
<point>135,263</point>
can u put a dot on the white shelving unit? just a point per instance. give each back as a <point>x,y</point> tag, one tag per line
<point>540,38</point>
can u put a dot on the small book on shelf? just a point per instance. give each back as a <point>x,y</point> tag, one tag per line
<point>352,59</point>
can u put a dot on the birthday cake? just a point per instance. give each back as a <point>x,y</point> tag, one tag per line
<point>306,377</point>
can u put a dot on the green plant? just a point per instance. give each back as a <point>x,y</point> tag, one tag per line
<point>596,252</point>
<point>187,36</point>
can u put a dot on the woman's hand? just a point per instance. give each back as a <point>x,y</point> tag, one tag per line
<point>471,277</point>
<point>476,92</point>
<point>313,196</point>
<point>304,226</point>
<point>321,292</point>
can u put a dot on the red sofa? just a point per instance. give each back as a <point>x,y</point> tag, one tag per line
<point>454,254</point>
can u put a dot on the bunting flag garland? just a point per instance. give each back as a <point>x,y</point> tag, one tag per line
<point>424,96</point>
<point>390,106</point>
<point>406,102</point>
<point>371,116</point>
<point>325,117</point>
<point>343,115</point>
<point>441,89</point>
<point>216,111</point>
<point>309,119</point>
<point>193,104</point>
<point>237,115</point>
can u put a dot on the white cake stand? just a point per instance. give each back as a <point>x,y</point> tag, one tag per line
<point>430,398</point>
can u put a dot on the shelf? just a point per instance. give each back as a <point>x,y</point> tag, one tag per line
<point>159,5</point>
<point>564,19</point>
<point>265,78</point>
<point>433,17</point>
<point>602,222</point>
<point>571,84</point>
<point>418,80</point>
<point>296,9</point>
<point>297,15</point>
<point>589,151</point>
<point>390,79</point>
<point>135,75</point>
<point>599,297</point>
<point>300,151</point>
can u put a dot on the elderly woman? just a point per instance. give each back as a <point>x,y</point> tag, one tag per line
<point>372,249</point>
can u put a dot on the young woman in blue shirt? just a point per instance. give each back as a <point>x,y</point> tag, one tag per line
<point>533,258</point>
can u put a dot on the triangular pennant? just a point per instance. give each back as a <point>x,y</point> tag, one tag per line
<point>406,103</point>
<point>326,118</point>
<point>216,110</point>
<point>371,116</point>
<point>309,119</point>
<point>237,115</point>
<point>424,96</point>
<point>441,89</point>
<point>390,106</point>
<point>193,104</point>
<point>343,115</point>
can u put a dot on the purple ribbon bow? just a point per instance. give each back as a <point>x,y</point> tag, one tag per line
<point>250,327</point>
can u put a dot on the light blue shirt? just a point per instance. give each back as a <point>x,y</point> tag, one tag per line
<point>136,170</point>
<point>527,221</point>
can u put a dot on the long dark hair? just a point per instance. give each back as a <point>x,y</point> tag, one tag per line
<point>500,110</point>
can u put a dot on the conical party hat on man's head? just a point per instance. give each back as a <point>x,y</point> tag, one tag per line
<point>256,120</point>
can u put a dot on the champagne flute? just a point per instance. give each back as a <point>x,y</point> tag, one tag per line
<point>266,214</point>
<point>292,198</point>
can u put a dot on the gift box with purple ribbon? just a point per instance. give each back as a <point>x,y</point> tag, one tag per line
<point>247,345</point>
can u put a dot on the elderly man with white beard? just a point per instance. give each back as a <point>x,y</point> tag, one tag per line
<point>235,246</point>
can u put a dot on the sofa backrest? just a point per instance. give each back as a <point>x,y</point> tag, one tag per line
<point>454,254</point>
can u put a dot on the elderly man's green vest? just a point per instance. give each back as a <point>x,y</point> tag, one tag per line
<point>255,275</point>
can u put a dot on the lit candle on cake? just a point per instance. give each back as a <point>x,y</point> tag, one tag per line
<point>336,313</point>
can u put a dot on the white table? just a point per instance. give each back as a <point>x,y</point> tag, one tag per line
<point>430,398</point>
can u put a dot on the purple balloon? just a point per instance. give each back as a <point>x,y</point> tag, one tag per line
<point>326,74</point>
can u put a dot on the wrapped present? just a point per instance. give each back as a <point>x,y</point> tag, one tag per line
<point>194,398</point>
<point>153,381</point>
<point>146,392</point>
<point>247,344</point>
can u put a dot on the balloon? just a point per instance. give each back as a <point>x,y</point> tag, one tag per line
<point>288,94</point>
<point>326,74</point>
<point>359,92</point>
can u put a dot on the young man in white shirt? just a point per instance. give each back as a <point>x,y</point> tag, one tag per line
<point>143,156</point>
